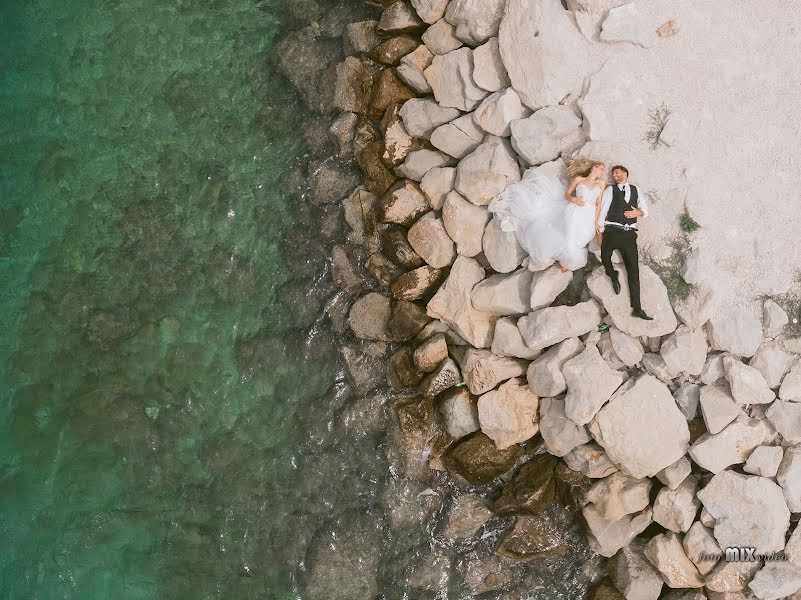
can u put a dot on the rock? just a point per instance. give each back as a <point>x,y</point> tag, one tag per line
<point>412,66</point>
<point>502,294</point>
<point>440,38</point>
<point>478,459</point>
<point>718,408</point>
<point>430,354</point>
<point>654,299</point>
<point>369,317</point>
<point>399,18</point>
<point>528,538</point>
<point>421,116</point>
<point>464,222</point>
<point>669,29</point>
<point>406,321</point>
<point>713,368</point>
<point>498,110</point>
<point>459,412</point>
<point>793,546</point>
<point>487,171</point>
<point>739,333</point>
<point>731,577</point>
<point>482,370</point>
<point>418,283</point>
<point>560,434</point>
<point>430,240</point>
<point>388,90</point>
<point>341,133</point>
<point>715,452</point>
<point>619,495</point>
<point>764,461</point>
<point>607,537</point>
<point>773,362</point>
<point>475,22</point>
<point>508,415</point>
<point>398,250</point>
<point>700,541</point>
<point>706,519</point>
<point>625,24</point>
<point>633,575</point>
<point>547,285</point>
<point>488,70</point>
<point>774,318</point>
<point>791,385</point>
<point>628,349</point>
<point>402,204</point>
<point>458,138</point>
<point>466,516</point>
<point>354,85</point>
<point>687,398</point>
<point>420,162</point>
<point>360,37</point>
<point>590,460</point>
<point>590,383</point>
<point>549,326</point>
<point>545,374</point>
<point>451,79</point>
<point>446,375</point>
<point>656,366</point>
<point>789,477</point>
<point>397,141</point>
<point>641,428</point>
<point>392,50</point>
<point>544,52</point>
<point>673,475</point>
<point>676,509</point>
<point>747,384</point>
<point>543,136</point>
<point>436,184</point>
<point>666,553</point>
<point>507,341</point>
<point>402,371</point>
<point>377,177</point>
<point>452,304</point>
<point>748,511</point>
<point>345,271</point>
<point>501,248</point>
<point>308,61</point>
<point>332,183</point>
<point>696,309</point>
<point>685,350</point>
<point>532,490</point>
<point>430,11</point>
<point>776,580</point>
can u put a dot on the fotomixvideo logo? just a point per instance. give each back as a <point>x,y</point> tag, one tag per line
<point>743,554</point>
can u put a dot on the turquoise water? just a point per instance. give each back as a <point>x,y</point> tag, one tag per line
<point>151,372</point>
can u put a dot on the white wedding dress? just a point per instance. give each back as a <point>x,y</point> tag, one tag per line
<point>548,227</point>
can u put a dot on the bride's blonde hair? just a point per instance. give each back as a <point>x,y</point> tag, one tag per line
<point>581,166</point>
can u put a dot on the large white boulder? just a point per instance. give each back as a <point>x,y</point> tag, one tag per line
<point>504,295</point>
<point>633,575</point>
<point>748,386</point>
<point>684,350</point>
<point>548,326</point>
<point>545,374</point>
<point>559,433</point>
<point>619,495</point>
<point>440,38</point>
<point>459,137</point>
<point>482,370</point>
<point>699,541</point>
<point>696,309</point>
<point>419,162</point>
<point>641,428</point>
<point>676,509</point>
<point>421,116</point>
<point>731,446</point>
<point>498,110</point>
<point>475,20</point>
<point>718,408</point>
<point>776,580</point>
<point>451,79</point>
<point>547,285</point>
<point>459,412</point>
<point>545,134</point>
<point>488,70</point>
<point>487,171</point>
<point>773,362</point>
<point>464,222</point>
<point>774,317</point>
<point>666,553</point>
<point>501,248</point>
<point>764,461</point>
<point>786,418</point>
<point>738,332</point>
<point>509,415</point>
<point>507,341</point>
<point>628,349</point>
<point>430,240</point>
<point>436,184</point>
<point>590,383</point>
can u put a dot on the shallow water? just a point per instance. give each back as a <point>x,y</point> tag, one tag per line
<point>141,235</point>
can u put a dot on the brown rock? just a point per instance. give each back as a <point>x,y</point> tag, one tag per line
<point>402,371</point>
<point>418,284</point>
<point>437,448</point>
<point>478,460</point>
<point>398,250</point>
<point>532,490</point>
<point>346,270</point>
<point>397,141</point>
<point>605,591</point>
<point>391,51</point>
<point>668,29</point>
<point>416,420</point>
<point>387,90</point>
<point>407,320</point>
<point>530,537</point>
<point>369,317</point>
<point>377,177</point>
<point>354,87</point>
<point>364,134</point>
<point>402,204</point>
<point>383,269</point>
<point>398,18</point>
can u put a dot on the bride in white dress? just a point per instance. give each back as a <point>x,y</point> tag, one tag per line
<point>552,224</point>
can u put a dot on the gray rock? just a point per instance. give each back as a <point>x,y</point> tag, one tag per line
<point>685,350</point>
<point>633,575</point>
<point>774,318</point>
<point>459,411</point>
<point>715,452</point>
<point>436,184</point>
<point>498,110</point>
<point>487,171</point>
<point>748,386</point>
<point>458,138</point>
<point>420,162</point>
<point>559,433</point>
<point>440,38</point>
<point>718,408</point>
<point>451,79</point>
<point>508,341</point>
<point>446,375</point>
<point>687,398</point>
<point>503,294</point>
<point>791,384</point>
<point>619,495</point>
<point>764,461</point>
<point>543,136</point>
<point>430,240</point>
<point>501,248</point>
<point>464,222</point>
<point>509,415</point>
<point>465,517</point>
<point>369,317</point>
<point>341,132</point>
<point>590,460</point>
<point>360,37</point>
<point>607,537</point>
<point>412,66</point>
<point>545,373</point>
<point>676,473</point>
<point>590,383</point>
<point>789,477</point>
<point>666,553</point>
<point>696,309</point>
<point>773,362</point>
<point>488,70</point>
<point>421,116</point>
<point>475,21</point>
<point>676,509</point>
<point>776,580</point>
<point>628,349</point>
<point>549,326</point>
<point>739,333</point>
<point>700,541</point>
<point>547,285</point>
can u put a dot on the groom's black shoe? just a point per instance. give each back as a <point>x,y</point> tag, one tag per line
<point>616,285</point>
<point>640,314</point>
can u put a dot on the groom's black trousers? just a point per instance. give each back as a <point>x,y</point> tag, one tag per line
<point>615,238</point>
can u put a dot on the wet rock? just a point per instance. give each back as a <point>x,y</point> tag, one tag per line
<point>747,384</point>
<point>467,515</point>
<point>478,459</point>
<point>475,22</point>
<point>440,38</point>
<point>388,90</point>
<point>417,284</point>
<point>369,317</point>
<point>676,509</point>
<point>436,185</point>
<point>549,326</point>
<point>431,353</point>
<point>488,70</point>
<point>420,162</point>
<point>446,375</point>
<point>422,116</point>
<point>364,134</point>
<point>308,62</point>
<point>531,537</point>
<point>416,422</point>
<point>545,374</point>
<point>619,495</point>
<point>392,50</point>
<point>641,428</point>
<point>532,490</point>
<point>764,461</point>
<point>365,365</point>
<point>543,136</point>
<point>398,250</point>
<point>346,270</point>
<point>507,341</point>
<point>633,575</point>
<point>718,408</point>
<point>715,452</point>
<point>360,37</point>
<point>403,373</point>
<point>397,141</point>
<point>399,18</point>
<point>411,68</point>
<point>459,411</point>
<point>501,248</point>
<point>383,269</point>
<point>430,240</point>
<point>590,383</point>
<point>666,553</point>
<point>488,574</point>
<point>341,133</point>
<point>482,370</point>
<point>498,110</point>
<point>773,362</point>
<point>487,171</point>
<point>560,434</point>
<point>503,295</point>
<point>508,415</point>
<point>402,204</point>
<point>458,138</point>
<point>354,85</point>
<point>377,176</point>
<point>451,79</point>
<point>406,321</point>
<point>739,333</point>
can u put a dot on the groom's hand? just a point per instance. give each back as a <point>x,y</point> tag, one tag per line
<point>633,213</point>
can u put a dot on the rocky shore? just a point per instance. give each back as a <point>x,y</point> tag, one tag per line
<point>526,401</point>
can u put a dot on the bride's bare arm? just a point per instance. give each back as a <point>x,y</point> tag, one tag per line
<point>598,203</point>
<point>570,189</point>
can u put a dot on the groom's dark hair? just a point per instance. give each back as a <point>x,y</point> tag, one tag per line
<point>620,168</point>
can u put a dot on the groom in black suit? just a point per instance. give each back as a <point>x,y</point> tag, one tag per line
<point>621,205</point>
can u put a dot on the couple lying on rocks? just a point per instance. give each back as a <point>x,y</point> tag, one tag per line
<point>554,225</point>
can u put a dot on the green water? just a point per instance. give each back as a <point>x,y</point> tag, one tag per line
<point>142,444</point>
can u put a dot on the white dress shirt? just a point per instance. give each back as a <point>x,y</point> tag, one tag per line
<point>606,202</point>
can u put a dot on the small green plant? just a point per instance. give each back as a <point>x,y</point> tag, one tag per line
<point>659,117</point>
<point>687,223</point>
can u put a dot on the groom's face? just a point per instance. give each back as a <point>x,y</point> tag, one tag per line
<point>620,176</point>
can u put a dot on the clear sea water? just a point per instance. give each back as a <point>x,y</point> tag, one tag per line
<point>144,451</point>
